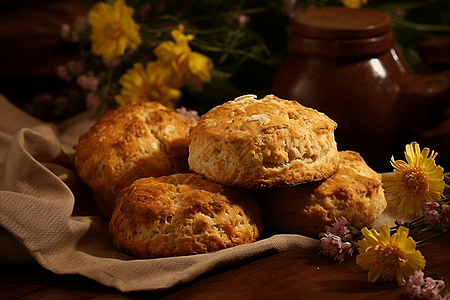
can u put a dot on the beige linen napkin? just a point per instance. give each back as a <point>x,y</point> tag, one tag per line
<point>46,210</point>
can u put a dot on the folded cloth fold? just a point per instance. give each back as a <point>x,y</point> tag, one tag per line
<point>50,213</point>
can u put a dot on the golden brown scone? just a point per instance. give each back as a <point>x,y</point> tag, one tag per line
<point>183,214</point>
<point>263,143</point>
<point>354,191</point>
<point>134,141</point>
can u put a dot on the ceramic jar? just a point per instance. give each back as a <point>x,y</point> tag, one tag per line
<point>344,62</point>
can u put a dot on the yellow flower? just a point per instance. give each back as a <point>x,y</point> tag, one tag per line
<point>389,256</point>
<point>193,65</point>
<point>354,3</point>
<point>415,181</point>
<point>154,83</point>
<point>113,29</point>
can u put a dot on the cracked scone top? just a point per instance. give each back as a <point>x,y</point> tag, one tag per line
<point>252,143</point>
<point>183,214</point>
<point>134,141</point>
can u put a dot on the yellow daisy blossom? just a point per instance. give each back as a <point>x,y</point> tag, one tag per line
<point>113,29</point>
<point>354,3</point>
<point>388,257</point>
<point>154,83</point>
<point>193,65</point>
<point>415,181</point>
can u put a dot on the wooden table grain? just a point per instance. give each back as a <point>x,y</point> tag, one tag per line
<point>293,274</point>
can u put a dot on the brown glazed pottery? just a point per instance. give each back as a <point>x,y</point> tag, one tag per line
<point>344,62</point>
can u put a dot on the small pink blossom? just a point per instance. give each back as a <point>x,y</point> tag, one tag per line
<point>81,24</point>
<point>242,19</point>
<point>69,34</point>
<point>428,288</point>
<point>75,67</point>
<point>65,31</point>
<point>61,103</point>
<point>339,228</point>
<point>445,217</point>
<point>63,73</point>
<point>88,82</point>
<point>131,51</point>
<point>188,113</point>
<point>92,100</point>
<point>290,5</point>
<point>337,240</point>
<point>430,212</point>
<point>437,214</point>
<point>432,289</point>
<point>399,12</point>
<point>332,245</point>
<point>111,63</point>
<point>414,285</point>
<point>72,34</point>
<point>75,37</point>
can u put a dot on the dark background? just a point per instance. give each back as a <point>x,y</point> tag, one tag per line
<point>31,45</point>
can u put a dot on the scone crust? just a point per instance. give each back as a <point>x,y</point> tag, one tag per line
<point>354,191</point>
<point>137,140</point>
<point>183,214</point>
<point>266,142</point>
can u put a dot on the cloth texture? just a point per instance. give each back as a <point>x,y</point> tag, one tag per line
<point>48,216</point>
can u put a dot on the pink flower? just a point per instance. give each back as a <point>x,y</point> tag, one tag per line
<point>290,5</point>
<point>414,285</point>
<point>81,24</point>
<point>69,34</point>
<point>131,51</point>
<point>92,101</point>
<point>437,214</point>
<point>88,82</point>
<point>242,19</point>
<point>333,246</point>
<point>399,12</point>
<point>188,113</point>
<point>111,63</point>
<point>61,103</point>
<point>72,34</point>
<point>340,229</point>
<point>430,212</point>
<point>63,73</point>
<point>75,67</point>
<point>432,289</point>
<point>428,288</point>
<point>445,217</point>
<point>75,37</point>
<point>337,241</point>
<point>65,31</point>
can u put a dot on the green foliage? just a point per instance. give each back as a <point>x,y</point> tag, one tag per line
<point>414,22</point>
<point>246,55</point>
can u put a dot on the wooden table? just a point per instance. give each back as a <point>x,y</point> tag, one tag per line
<point>293,274</point>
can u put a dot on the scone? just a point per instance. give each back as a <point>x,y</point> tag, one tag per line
<point>354,191</point>
<point>183,214</point>
<point>266,142</point>
<point>134,141</point>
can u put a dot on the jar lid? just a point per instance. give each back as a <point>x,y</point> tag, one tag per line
<point>341,23</point>
<point>345,48</point>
